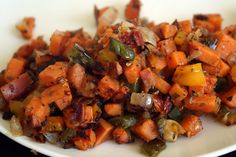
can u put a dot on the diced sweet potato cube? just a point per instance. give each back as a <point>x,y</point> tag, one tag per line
<point>157,62</point>
<point>212,22</point>
<point>103,132</point>
<point>177,92</point>
<point>225,45</point>
<point>113,109</point>
<point>108,87</point>
<point>150,79</point>
<point>120,135</point>
<point>87,141</point>
<point>146,130</point>
<point>14,68</point>
<point>175,59</point>
<point>192,125</point>
<point>166,46</point>
<point>185,26</point>
<point>53,74</point>
<point>60,94</point>
<point>203,103</point>
<point>37,111</point>
<point>207,55</point>
<point>57,41</point>
<point>168,30</point>
<point>75,75</point>
<point>132,72</point>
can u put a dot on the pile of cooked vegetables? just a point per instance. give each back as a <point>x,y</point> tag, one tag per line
<point>134,79</point>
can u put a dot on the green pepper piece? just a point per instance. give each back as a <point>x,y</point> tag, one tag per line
<point>67,135</point>
<point>134,87</point>
<point>130,135</point>
<point>153,148</point>
<point>175,114</point>
<point>122,50</point>
<point>123,121</point>
<point>79,55</point>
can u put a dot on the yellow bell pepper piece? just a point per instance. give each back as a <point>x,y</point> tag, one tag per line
<point>190,75</point>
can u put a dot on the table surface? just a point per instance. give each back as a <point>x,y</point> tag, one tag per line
<point>7,145</point>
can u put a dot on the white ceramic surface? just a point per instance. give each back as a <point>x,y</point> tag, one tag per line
<point>214,140</point>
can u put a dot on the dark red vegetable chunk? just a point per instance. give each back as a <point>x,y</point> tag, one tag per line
<point>17,87</point>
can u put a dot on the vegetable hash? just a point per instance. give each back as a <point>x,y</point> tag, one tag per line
<point>134,79</point>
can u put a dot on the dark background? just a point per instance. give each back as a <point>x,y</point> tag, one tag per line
<point>9,148</point>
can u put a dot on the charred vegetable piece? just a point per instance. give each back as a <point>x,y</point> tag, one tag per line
<point>124,122</point>
<point>122,50</point>
<point>7,115</point>
<point>53,124</point>
<point>153,148</point>
<point>3,103</point>
<point>96,112</point>
<point>86,140</point>
<point>229,98</point>
<point>79,55</point>
<point>170,129</point>
<point>122,136</point>
<point>226,116</point>
<point>67,135</point>
<point>54,110</point>
<point>142,100</point>
<point>221,84</point>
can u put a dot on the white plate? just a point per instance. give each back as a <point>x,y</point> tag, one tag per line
<point>214,140</point>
